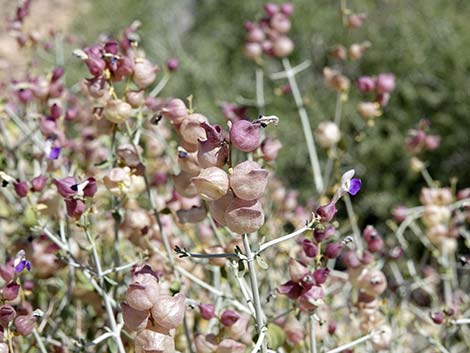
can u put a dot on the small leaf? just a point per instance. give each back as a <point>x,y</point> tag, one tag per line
<point>166,210</point>
<point>79,53</point>
<point>261,262</point>
<point>276,336</point>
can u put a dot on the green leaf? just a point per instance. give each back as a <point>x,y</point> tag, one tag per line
<point>276,336</point>
<point>261,262</point>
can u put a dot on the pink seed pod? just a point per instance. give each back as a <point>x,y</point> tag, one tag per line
<point>212,152</point>
<point>47,126</point>
<point>174,109</point>
<point>335,80</point>
<point>134,320</point>
<point>327,134</point>
<point>238,330</point>
<point>41,88</point>
<point>350,259</point>
<point>432,142</point>
<point>188,162</point>
<point>327,212</point>
<point>24,324</point>
<point>252,50</point>
<point>297,270</point>
<point>245,135</point>
<point>212,183</point>
<point>75,208</point>
<point>21,188</point>
<point>38,183</point>
<point>324,233</point>
<point>333,250</point>
<point>338,52</point>
<point>153,342</point>
<point>205,343</point>
<point>385,83</point>
<point>255,34</point>
<point>184,185</point>
<point>135,98</point>
<point>117,111</point>
<point>207,311</point>
<point>270,149</point>
<point>168,311</point>
<point>373,282</point>
<point>143,291</point>
<point>228,345</point>
<point>10,291</point>
<point>282,46</point>
<point>437,317</point>
<point>294,330</point>
<point>7,314</point>
<point>193,215</point>
<point>382,339</point>
<point>355,20</point>
<point>217,208</point>
<point>287,8</point>
<point>271,9</point>
<point>4,347</point>
<point>144,73</point>
<point>368,110</point>
<point>244,216</point>
<point>229,317</point>
<point>191,130</point>
<point>400,213</point>
<point>248,180</point>
<point>7,271</point>
<point>365,84</point>
<point>172,64</point>
<point>280,23</point>
<point>311,299</point>
<point>357,50</point>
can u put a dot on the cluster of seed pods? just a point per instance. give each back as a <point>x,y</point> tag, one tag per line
<point>152,311</point>
<point>269,34</point>
<point>370,283</point>
<point>232,193</point>
<point>381,86</point>
<point>16,313</point>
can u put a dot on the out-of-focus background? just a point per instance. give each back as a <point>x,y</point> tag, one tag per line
<point>425,43</point>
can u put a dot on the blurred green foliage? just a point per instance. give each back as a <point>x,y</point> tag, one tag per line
<point>423,42</point>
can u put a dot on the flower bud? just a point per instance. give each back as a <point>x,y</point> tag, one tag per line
<point>7,314</point>
<point>333,250</point>
<point>432,142</point>
<point>143,291</point>
<point>327,134</point>
<point>255,34</point>
<point>323,233</point>
<point>21,188</point>
<point>207,311</point>
<point>327,212</point>
<point>229,317</point>
<point>434,215</point>
<point>38,183</point>
<point>118,181</point>
<point>150,341</point>
<point>400,213</point>
<point>168,311</point>
<point>134,320</point>
<point>365,84</point>
<point>244,216</point>
<point>287,8</point>
<point>437,317</point>
<point>7,271</point>
<point>248,181</point>
<point>357,50</point>
<point>271,9</point>
<point>331,327</point>
<point>245,135</point>
<point>191,129</point>
<point>335,80</point>
<point>117,111</point>
<point>24,324</point>
<point>309,248</point>
<point>338,52</point>
<point>172,64</point>
<point>355,20</point>
<point>10,291</point>
<point>385,83</point>
<point>144,73</point>
<point>282,46</point>
<point>212,183</point>
<point>368,110</point>
<point>75,208</point>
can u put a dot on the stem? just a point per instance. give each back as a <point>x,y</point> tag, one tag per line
<point>270,243</point>
<point>260,340</point>
<point>254,288</point>
<point>259,91</point>
<point>313,341</point>
<point>353,220</point>
<point>354,343</point>
<point>39,341</point>
<point>317,177</point>
<point>461,322</point>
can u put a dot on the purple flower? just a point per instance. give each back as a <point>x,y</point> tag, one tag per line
<point>348,185</point>
<point>55,152</point>
<point>21,263</point>
<point>355,186</point>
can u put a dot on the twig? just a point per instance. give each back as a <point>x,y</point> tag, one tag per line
<point>354,343</point>
<point>270,243</point>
